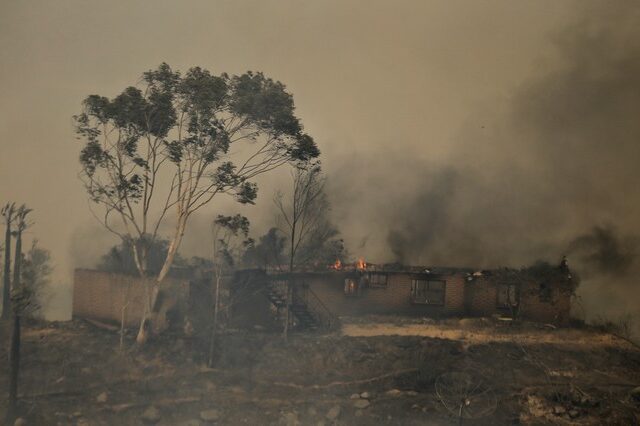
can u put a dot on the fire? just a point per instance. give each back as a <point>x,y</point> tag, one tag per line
<point>337,265</point>
<point>361,264</point>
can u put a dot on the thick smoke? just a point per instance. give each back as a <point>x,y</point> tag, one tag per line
<point>529,176</point>
<point>603,251</point>
<point>535,177</point>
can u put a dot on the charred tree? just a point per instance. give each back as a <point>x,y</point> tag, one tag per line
<point>20,299</point>
<point>230,237</point>
<point>8,212</point>
<point>302,215</point>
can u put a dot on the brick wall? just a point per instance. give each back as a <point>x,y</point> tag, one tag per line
<point>478,297</point>
<point>481,297</point>
<point>395,298</point>
<point>102,295</point>
<point>482,300</point>
<point>553,310</point>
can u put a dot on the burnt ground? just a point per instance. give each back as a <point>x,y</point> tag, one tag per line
<point>73,374</point>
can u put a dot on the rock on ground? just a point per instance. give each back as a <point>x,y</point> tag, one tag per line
<point>334,412</point>
<point>361,403</point>
<point>151,415</point>
<point>209,415</point>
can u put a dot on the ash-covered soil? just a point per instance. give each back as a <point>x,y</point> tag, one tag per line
<point>73,374</point>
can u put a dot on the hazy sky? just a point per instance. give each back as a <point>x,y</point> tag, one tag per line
<point>411,103</point>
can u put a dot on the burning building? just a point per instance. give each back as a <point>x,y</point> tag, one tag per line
<point>319,297</point>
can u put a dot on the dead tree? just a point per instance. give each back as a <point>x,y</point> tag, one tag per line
<point>302,214</point>
<point>8,212</point>
<point>168,148</point>
<point>230,236</point>
<point>20,300</point>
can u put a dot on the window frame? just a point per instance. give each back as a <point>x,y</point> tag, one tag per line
<point>377,284</point>
<point>506,304</point>
<point>351,291</point>
<point>417,282</point>
<point>545,292</point>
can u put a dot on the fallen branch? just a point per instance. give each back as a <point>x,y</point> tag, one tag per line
<point>161,403</point>
<point>332,384</point>
<point>101,325</point>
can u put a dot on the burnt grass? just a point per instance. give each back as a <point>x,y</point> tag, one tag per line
<point>74,374</point>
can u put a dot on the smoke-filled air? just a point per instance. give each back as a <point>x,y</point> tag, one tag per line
<point>367,169</point>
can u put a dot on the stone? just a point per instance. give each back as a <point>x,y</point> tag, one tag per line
<point>361,403</point>
<point>574,413</point>
<point>559,410</point>
<point>355,396</point>
<point>393,392</point>
<point>312,412</point>
<point>20,422</point>
<point>365,395</point>
<point>411,393</point>
<point>209,415</point>
<point>237,389</point>
<point>211,387</point>
<point>102,398</point>
<point>151,415</point>
<point>359,413</point>
<point>290,419</point>
<point>334,413</point>
<point>635,393</point>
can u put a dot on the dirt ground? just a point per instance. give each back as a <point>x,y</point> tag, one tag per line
<point>375,371</point>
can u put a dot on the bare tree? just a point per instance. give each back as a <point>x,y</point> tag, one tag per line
<point>302,214</point>
<point>230,236</point>
<point>21,298</point>
<point>168,147</point>
<point>8,212</point>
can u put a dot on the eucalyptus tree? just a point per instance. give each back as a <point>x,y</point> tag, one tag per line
<point>160,151</point>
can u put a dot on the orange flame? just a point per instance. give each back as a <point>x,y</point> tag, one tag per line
<point>361,264</point>
<point>337,265</point>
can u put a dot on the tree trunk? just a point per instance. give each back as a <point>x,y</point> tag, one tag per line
<point>6,288</point>
<point>17,261</point>
<point>152,289</point>
<point>14,368</point>
<point>214,326</point>
<point>285,333</point>
<point>142,336</point>
<point>14,351</point>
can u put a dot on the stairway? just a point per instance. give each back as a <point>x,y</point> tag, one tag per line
<point>308,312</point>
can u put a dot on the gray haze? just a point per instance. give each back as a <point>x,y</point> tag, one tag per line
<point>483,134</point>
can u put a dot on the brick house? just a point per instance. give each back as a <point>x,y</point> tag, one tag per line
<point>112,297</point>
<point>539,293</point>
<point>319,297</point>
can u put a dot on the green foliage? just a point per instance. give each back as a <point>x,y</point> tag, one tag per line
<point>36,273</point>
<point>232,235</point>
<point>268,251</point>
<point>195,116</point>
<point>119,259</point>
